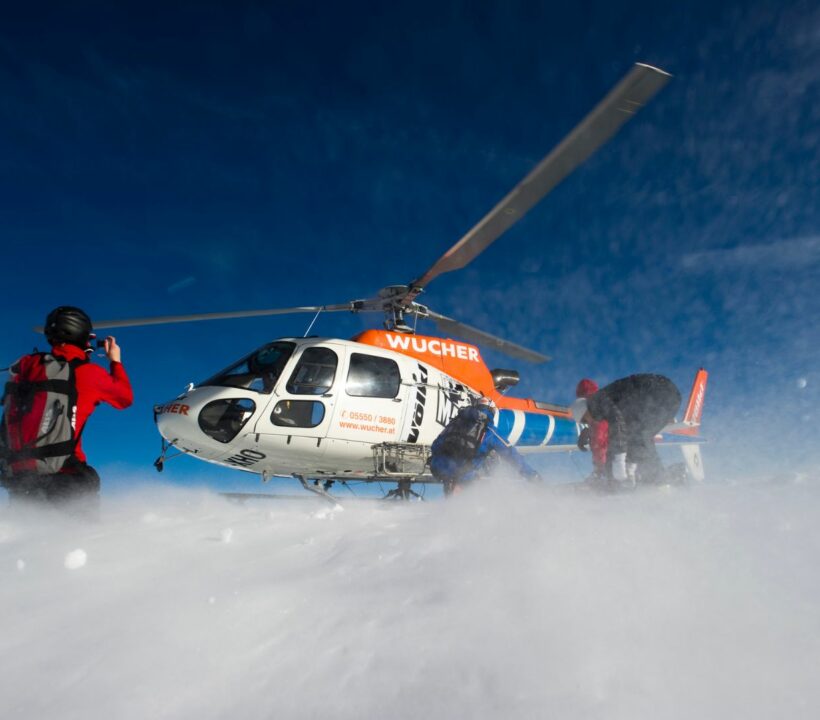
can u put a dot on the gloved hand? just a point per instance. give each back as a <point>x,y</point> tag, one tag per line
<point>619,467</point>
<point>583,439</point>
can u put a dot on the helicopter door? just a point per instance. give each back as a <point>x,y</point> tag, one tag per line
<point>370,405</point>
<point>298,417</point>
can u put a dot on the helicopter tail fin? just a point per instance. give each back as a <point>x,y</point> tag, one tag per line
<point>689,427</point>
<point>694,408</point>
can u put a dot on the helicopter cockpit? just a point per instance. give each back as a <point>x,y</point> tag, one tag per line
<point>258,371</point>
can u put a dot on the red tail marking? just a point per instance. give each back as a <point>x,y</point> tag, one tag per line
<point>694,408</point>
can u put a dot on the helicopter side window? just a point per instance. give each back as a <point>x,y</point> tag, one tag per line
<point>223,419</point>
<point>371,376</point>
<point>298,413</point>
<point>258,371</point>
<point>314,373</point>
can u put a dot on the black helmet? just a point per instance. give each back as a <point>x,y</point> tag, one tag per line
<point>67,324</point>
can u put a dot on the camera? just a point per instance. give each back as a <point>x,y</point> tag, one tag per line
<point>100,344</point>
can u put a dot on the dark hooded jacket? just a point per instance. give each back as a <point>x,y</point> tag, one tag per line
<point>633,405</point>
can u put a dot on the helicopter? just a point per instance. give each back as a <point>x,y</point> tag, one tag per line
<point>327,410</point>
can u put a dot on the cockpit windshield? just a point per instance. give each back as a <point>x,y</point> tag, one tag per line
<point>259,371</point>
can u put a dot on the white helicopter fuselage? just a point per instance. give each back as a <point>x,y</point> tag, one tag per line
<point>327,404</point>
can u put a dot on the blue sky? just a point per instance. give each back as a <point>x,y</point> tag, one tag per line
<point>209,157</point>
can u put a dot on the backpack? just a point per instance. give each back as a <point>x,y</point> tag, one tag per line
<point>460,440</point>
<point>38,430</point>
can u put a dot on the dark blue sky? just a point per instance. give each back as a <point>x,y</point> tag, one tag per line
<point>227,156</point>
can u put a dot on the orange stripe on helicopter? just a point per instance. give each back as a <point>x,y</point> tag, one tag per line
<point>461,361</point>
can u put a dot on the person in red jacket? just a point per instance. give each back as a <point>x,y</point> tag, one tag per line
<point>594,437</point>
<point>69,332</point>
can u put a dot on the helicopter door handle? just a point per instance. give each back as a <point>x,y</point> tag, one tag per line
<point>328,395</point>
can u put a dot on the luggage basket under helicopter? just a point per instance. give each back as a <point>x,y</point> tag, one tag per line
<point>402,461</point>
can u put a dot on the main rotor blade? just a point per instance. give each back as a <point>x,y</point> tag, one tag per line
<point>167,319</point>
<point>474,335</point>
<point>639,85</point>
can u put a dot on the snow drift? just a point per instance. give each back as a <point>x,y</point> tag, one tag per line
<point>509,601</point>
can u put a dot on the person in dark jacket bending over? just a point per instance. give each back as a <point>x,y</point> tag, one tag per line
<point>636,408</point>
<point>466,448</point>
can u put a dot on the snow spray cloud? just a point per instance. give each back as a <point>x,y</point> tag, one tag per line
<point>511,600</point>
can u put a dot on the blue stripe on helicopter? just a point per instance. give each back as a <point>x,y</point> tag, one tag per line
<point>536,427</point>
<point>504,423</point>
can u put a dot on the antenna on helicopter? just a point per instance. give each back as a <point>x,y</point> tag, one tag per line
<point>312,322</point>
<point>633,91</point>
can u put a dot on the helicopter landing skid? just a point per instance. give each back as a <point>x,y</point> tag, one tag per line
<point>402,491</point>
<point>318,487</point>
<point>159,463</point>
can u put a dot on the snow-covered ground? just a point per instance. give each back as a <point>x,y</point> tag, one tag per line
<point>509,601</point>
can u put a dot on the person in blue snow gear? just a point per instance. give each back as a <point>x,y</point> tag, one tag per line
<point>636,409</point>
<point>468,447</point>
